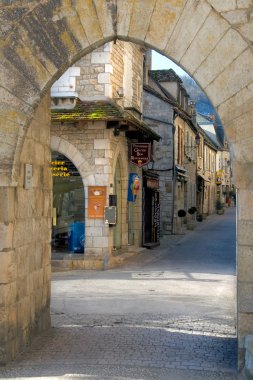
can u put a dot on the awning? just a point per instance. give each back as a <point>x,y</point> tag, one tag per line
<point>180,169</point>
<point>203,177</point>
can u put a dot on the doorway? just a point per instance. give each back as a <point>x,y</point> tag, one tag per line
<point>68,234</point>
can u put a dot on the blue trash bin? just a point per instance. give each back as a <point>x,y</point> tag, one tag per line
<point>76,237</point>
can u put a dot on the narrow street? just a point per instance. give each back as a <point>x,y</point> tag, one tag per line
<point>169,313</point>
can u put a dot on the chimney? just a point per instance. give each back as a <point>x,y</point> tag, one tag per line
<point>192,111</point>
<point>147,65</point>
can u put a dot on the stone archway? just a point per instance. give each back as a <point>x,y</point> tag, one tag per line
<point>65,147</point>
<point>210,39</point>
<point>72,153</point>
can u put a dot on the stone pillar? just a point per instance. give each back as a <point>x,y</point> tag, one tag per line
<point>244,268</point>
<point>25,234</point>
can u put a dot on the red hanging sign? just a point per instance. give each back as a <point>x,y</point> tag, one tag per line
<point>140,154</point>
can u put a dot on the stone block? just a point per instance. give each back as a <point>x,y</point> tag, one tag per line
<point>166,16</point>
<point>205,41</point>
<point>88,242</point>
<point>241,180</point>
<point>101,144</point>
<point>103,78</point>
<point>94,231</point>
<point>224,5</point>
<point>245,210</point>
<point>236,17</point>
<point>247,30</point>
<point>229,47</point>
<point>238,74</point>
<point>22,288</point>
<point>55,142</point>
<point>245,290</point>
<point>108,68</point>
<point>8,270</point>
<point>12,322</point>
<point>7,196</point>
<point>191,20</point>
<point>100,58</point>
<point>245,236</point>
<point>23,313</point>
<point>6,236</point>
<point>101,161</point>
<point>244,3</point>
<point>244,327</point>
<point>124,16</point>
<point>2,299</point>
<point>108,169</point>
<point>37,256</point>
<point>99,88</point>
<point>233,108</point>
<point>108,90</point>
<point>100,242</point>
<point>46,254</point>
<point>10,292</point>
<point>23,255</point>
<point>3,330</point>
<point>39,157</point>
<point>102,179</point>
<point>140,19</point>
<point>93,251</point>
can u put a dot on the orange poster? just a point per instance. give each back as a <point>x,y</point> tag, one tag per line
<point>96,201</point>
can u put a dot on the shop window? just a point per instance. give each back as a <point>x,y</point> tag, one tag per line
<point>68,206</point>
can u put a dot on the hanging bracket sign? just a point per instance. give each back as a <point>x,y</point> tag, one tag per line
<point>140,154</point>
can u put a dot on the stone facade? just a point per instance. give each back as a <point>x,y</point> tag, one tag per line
<point>111,73</point>
<point>211,39</point>
<point>94,150</point>
<point>25,228</point>
<point>185,167</point>
<point>158,114</point>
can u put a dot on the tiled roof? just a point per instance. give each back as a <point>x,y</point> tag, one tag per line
<point>167,97</point>
<point>165,76</point>
<point>84,110</point>
<point>99,110</point>
<point>204,119</point>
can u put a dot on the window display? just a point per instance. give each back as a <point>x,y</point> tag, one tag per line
<point>68,206</point>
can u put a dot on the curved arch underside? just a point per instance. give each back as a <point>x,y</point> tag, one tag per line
<point>210,39</point>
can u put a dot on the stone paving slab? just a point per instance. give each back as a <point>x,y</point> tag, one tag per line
<point>168,314</point>
<point>141,341</point>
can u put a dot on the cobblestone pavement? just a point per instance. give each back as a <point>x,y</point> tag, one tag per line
<point>144,341</point>
<point>89,340</point>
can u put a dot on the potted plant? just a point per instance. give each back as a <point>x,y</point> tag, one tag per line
<point>219,207</point>
<point>191,223</point>
<point>181,214</point>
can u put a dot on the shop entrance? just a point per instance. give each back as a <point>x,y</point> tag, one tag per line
<point>68,234</point>
<point>151,210</point>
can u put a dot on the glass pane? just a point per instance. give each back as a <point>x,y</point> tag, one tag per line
<point>68,205</point>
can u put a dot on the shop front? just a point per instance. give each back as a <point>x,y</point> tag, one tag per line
<point>68,222</point>
<point>151,210</point>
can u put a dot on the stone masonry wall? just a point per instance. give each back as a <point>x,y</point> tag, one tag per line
<point>109,68</point>
<point>211,39</point>
<point>95,69</point>
<point>159,116</point>
<point>25,232</point>
<point>127,65</point>
<point>99,150</point>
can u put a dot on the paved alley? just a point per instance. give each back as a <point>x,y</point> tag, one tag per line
<point>169,313</point>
